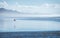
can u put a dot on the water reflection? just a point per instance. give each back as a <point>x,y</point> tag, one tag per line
<point>30,24</point>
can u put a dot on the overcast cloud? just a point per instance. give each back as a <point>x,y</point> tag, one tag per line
<point>43,8</point>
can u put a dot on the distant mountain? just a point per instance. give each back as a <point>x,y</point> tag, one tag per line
<point>3,10</point>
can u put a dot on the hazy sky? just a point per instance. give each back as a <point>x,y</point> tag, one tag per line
<point>33,6</point>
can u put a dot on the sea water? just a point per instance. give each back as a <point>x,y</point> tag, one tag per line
<point>9,25</point>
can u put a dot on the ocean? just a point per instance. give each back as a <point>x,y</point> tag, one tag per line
<point>29,27</point>
<point>29,24</point>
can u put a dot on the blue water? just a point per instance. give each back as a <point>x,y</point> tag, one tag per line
<point>32,34</point>
<point>29,27</point>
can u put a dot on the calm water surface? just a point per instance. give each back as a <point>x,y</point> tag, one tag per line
<point>8,24</point>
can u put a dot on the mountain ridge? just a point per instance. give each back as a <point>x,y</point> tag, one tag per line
<point>3,10</point>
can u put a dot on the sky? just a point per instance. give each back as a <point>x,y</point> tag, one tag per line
<point>32,6</point>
